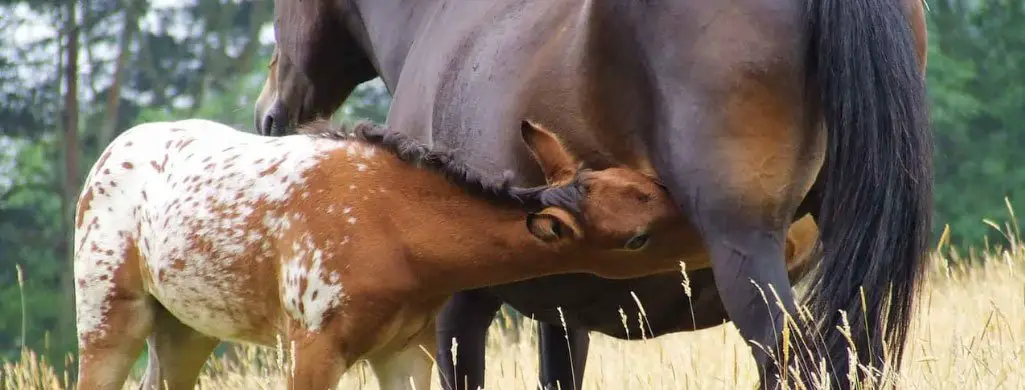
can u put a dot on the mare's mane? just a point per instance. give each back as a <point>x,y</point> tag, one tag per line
<point>456,170</point>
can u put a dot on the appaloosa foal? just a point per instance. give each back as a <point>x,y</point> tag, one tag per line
<point>191,232</point>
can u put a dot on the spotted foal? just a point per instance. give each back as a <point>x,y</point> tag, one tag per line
<point>344,246</point>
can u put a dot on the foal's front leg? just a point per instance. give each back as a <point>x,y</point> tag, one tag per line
<point>318,360</point>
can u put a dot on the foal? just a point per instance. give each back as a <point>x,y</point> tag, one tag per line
<point>190,232</point>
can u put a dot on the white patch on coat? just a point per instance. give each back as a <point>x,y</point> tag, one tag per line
<point>368,152</point>
<point>311,305</point>
<point>352,150</point>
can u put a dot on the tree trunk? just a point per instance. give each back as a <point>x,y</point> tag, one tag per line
<point>110,125</point>
<point>71,146</point>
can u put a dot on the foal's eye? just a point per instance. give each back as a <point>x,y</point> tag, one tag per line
<point>557,229</point>
<point>637,242</point>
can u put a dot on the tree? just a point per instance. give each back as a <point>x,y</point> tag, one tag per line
<point>976,52</point>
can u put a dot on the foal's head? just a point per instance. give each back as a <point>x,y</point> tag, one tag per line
<point>614,208</point>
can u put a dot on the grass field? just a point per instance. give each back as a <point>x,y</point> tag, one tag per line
<point>970,334</point>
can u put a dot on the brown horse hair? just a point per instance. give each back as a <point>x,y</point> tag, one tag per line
<point>497,191</point>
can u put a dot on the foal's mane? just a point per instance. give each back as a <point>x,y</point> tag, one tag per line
<point>457,171</point>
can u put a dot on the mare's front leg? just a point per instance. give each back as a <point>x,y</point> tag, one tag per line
<point>562,356</point>
<point>465,317</point>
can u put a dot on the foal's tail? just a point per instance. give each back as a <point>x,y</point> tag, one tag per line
<point>877,196</point>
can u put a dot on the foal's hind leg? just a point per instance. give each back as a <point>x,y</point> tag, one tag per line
<point>114,314</point>
<point>106,356</point>
<point>176,353</point>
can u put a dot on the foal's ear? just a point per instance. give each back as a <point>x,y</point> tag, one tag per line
<point>553,224</point>
<point>555,161</point>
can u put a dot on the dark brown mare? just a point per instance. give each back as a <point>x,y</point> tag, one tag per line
<point>753,113</point>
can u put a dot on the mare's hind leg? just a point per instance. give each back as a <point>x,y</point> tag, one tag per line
<point>176,353</point>
<point>409,368</point>
<point>739,167</point>
<point>562,356</point>
<point>747,254</point>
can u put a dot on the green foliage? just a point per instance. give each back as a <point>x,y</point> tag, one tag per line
<point>233,106</point>
<point>369,101</point>
<point>976,57</point>
<point>30,235</point>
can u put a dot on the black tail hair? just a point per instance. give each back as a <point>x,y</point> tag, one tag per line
<point>876,211</point>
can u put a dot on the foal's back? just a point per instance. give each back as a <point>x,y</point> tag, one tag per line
<point>182,210</point>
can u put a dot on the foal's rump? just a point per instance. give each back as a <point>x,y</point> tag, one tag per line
<point>180,211</point>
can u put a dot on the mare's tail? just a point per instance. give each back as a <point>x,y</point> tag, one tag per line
<point>876,210</point>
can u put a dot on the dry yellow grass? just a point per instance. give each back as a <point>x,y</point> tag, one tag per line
<point>970,334</point>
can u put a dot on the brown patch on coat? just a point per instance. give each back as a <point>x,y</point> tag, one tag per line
<point>84,205</point>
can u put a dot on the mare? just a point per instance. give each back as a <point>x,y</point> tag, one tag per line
<point>753,113</point>
<point>191,232</point>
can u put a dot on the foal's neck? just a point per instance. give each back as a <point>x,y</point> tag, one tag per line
<point>481,245</point>
<point>457,240</point>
